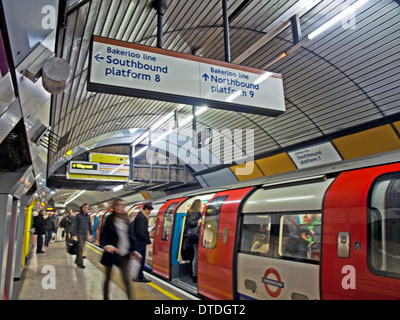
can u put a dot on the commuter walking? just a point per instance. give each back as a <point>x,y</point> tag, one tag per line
<point>118,244</point>
<point>81,227</point>
<point>140,230</point>
<point>193,232</point>
<point>38,225</point>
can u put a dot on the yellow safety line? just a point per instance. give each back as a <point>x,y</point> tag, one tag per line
<point>91,248</point>
<point>150,284</point>
<point>164,291</point>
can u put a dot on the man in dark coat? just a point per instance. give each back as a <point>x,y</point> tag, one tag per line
<point>140,231</point>
<point>38,225</point>
<point>81,227</point>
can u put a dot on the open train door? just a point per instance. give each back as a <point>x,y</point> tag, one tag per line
<point>217,244</point>
<point>163,236</point>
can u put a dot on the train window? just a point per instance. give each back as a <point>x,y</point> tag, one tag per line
<point>167,222</point>
<point>384,226</point>
<point>300,236</point>
<point>255,234</point>
<point>211,222</point>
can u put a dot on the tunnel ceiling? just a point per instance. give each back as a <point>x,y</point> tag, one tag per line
<point>348,76</point>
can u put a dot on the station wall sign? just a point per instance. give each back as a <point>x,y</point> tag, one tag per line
<point>96,168</point>
<point>315,155</point>
<point>123,68</point>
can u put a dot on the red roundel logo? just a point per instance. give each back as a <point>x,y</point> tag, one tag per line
<point>272,279</point>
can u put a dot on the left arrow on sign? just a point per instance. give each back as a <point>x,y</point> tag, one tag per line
<point>98,57</point>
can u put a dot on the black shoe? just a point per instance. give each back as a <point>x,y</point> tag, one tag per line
<point>81,266</point>
<point>142,280</point>
<point>194,279</point>
<point>40,251</point>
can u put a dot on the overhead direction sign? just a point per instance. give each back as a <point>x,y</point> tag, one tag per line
<point>124,68</point>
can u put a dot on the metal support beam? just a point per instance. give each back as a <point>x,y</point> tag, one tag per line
<point>226,31</point>
<point>160,6</point>
<point>296,29</point>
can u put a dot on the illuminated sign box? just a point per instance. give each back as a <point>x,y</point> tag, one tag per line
<point>118,67</point>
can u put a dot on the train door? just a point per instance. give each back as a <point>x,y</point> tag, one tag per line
<point>217,243</point>
<point>162,238</point>
<point>361,235</point>
<point>182,253</point>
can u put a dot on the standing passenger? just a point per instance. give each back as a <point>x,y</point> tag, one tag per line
<point>118,245</point>
<point>82,226</point>
<point>48,227</point>
<point>193,232</point>
<point>140,230</point>
<point>38,225</point>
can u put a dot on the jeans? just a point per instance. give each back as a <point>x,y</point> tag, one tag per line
<point>141,248</point>
<point>49,234</point>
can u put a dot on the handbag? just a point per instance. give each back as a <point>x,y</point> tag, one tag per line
<point>72,247</point>
<point>194,233</point>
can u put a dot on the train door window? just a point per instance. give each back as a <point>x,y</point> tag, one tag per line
<point>167,222</point>
<point>300,236</point>
<point>255,234</point>
<point>384,226</point>
<point>211,222</point>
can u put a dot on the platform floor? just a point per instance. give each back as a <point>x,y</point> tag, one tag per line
<point>73,283</point>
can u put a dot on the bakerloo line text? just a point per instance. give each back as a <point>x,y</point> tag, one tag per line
<point>129,73</point>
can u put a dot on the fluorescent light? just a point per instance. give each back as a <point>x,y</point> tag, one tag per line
<point>336,19</point>
<point>234,95</point>
<point>117,188</point>
<point>73,198</point>
<point>263,77</point>
<point>162,136</point>
<point>140,151</point>
<point>201,110</point>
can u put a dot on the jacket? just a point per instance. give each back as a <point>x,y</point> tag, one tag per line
<point>192,222</point>
<point>140,229</point>
<point>38,224</point>
<point>109,236</point>
<point>82,224</point>
<point>49,224</point>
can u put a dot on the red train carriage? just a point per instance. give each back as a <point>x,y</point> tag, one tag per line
<point>330,232</point>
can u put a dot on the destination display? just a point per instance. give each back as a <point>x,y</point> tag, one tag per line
<point>118,67</point>
<point>95,168</point>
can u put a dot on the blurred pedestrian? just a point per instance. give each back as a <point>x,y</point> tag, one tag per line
<point>118,244</point>
<point>81,227</point>
<point>38,225</point>
<point>140,230</point>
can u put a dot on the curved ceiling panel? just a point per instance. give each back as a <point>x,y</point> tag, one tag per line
<point>350,75</point>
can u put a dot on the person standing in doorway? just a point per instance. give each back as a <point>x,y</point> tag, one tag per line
<point>140,230</point>
<point>82,226</point>
<point>193,232</point>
